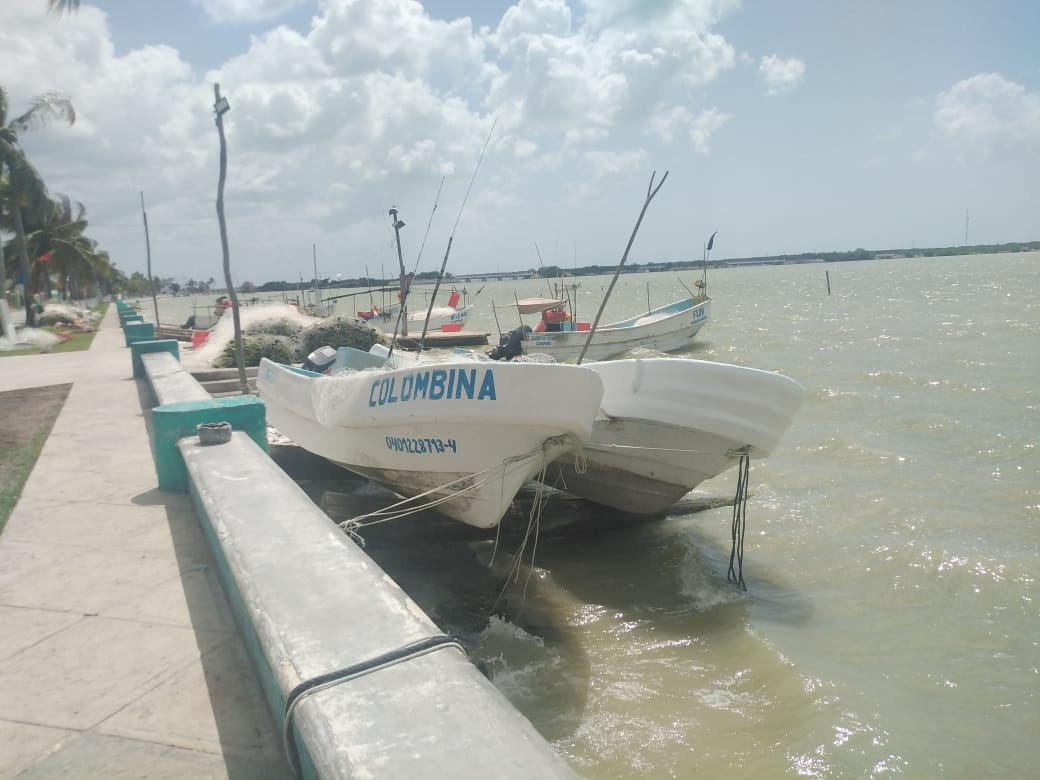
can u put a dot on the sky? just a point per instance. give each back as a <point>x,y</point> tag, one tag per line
<point>527,132</point>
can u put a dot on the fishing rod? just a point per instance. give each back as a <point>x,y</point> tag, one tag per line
<point>429,222</point>
<point>542,267</point>
<point>362,292</point>
<point>451,238</point>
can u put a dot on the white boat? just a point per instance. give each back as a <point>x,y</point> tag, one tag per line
<point>667,424</point>
<point>462,435</point>
<point>664,329</point>
<point>449,317</point>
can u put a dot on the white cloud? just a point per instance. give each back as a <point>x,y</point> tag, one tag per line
<point>987,115</point>
<point>602,166</point>
<point>697,15</point>
<point>375,99</point>
<point>666,122</point>
<point>246,11</point>
<point>781,75</point>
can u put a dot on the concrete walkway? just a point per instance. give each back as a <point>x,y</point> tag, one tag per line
<point>119,657</point>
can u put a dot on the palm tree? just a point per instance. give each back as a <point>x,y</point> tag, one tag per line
<point>61,6</point>
<point>24,187</point>
<point>61,249</point>
<point>20,193</point>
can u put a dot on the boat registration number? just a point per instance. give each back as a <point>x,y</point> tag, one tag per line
<point>420,446</point>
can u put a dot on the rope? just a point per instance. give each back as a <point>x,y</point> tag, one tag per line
<point>534,521</point>
<point>739,523</point>
<point>732,453</point>
<point>408,506</point>
<point>331,679</point>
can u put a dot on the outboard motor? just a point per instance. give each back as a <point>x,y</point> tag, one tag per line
<point>320,360</point>
<point>510,345</point>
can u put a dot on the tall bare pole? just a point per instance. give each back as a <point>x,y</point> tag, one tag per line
<point>148,255</point>
<point>221,107</point>
<point>317,284</point>
<point>402,313</point>
<point>451,238</point>
<point>651,191</point>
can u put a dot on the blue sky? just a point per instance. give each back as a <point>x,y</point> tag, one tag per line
<point>787,126</point>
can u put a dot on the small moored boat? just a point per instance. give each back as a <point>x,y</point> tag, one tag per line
<point>462,435</point>
<point>664,328</point>
<point>667,424</point>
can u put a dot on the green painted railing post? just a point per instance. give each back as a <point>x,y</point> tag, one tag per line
<point>171,422</point>
<point>139,348</point>
<point>138,331</point>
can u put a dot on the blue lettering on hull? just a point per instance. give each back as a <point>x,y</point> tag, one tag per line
<point>437,384</point>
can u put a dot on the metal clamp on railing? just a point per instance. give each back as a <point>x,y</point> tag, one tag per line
<point>328,680</point>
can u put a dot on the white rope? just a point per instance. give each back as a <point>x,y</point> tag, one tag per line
<point>407,506</point>
<point>534,523</point>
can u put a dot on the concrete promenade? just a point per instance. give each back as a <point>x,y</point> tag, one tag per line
<point>119,657</point>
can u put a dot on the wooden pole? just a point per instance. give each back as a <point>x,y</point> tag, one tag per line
<point>148,256</point>
<point>220,107</point>
<point>651,191</point>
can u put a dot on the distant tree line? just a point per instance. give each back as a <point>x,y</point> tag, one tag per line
<point>555,271</point>
<point>332,284</point>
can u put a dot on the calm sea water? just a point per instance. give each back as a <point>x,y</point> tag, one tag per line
<point>891,623</point>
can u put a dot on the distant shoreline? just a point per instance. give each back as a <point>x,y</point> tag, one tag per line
<point>554,272</point>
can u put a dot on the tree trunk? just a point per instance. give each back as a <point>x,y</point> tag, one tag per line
<point>23,262</point>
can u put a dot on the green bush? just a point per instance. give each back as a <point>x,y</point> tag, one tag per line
<point>335,332</point>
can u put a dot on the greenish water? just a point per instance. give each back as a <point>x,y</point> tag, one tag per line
<point>892,618</point>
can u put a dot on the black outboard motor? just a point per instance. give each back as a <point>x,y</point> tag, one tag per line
<point>320,360</point>
<point>510,345</point>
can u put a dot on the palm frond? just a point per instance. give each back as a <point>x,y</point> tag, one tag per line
<point>61,6</point>
<point>44,109</point>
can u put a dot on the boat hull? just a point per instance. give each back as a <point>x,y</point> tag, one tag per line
<point>469,434</point>
<point>439,317</point>
<point>666,425</point>
<point>664,329</point>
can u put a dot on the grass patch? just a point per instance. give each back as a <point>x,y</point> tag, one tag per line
<point>29,416</point>
<point>76,342</point>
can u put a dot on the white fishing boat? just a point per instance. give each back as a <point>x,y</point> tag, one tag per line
<point>667,424</point>
<point>664,329</point>
<point>461,436</point>
<point>450,317</point>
